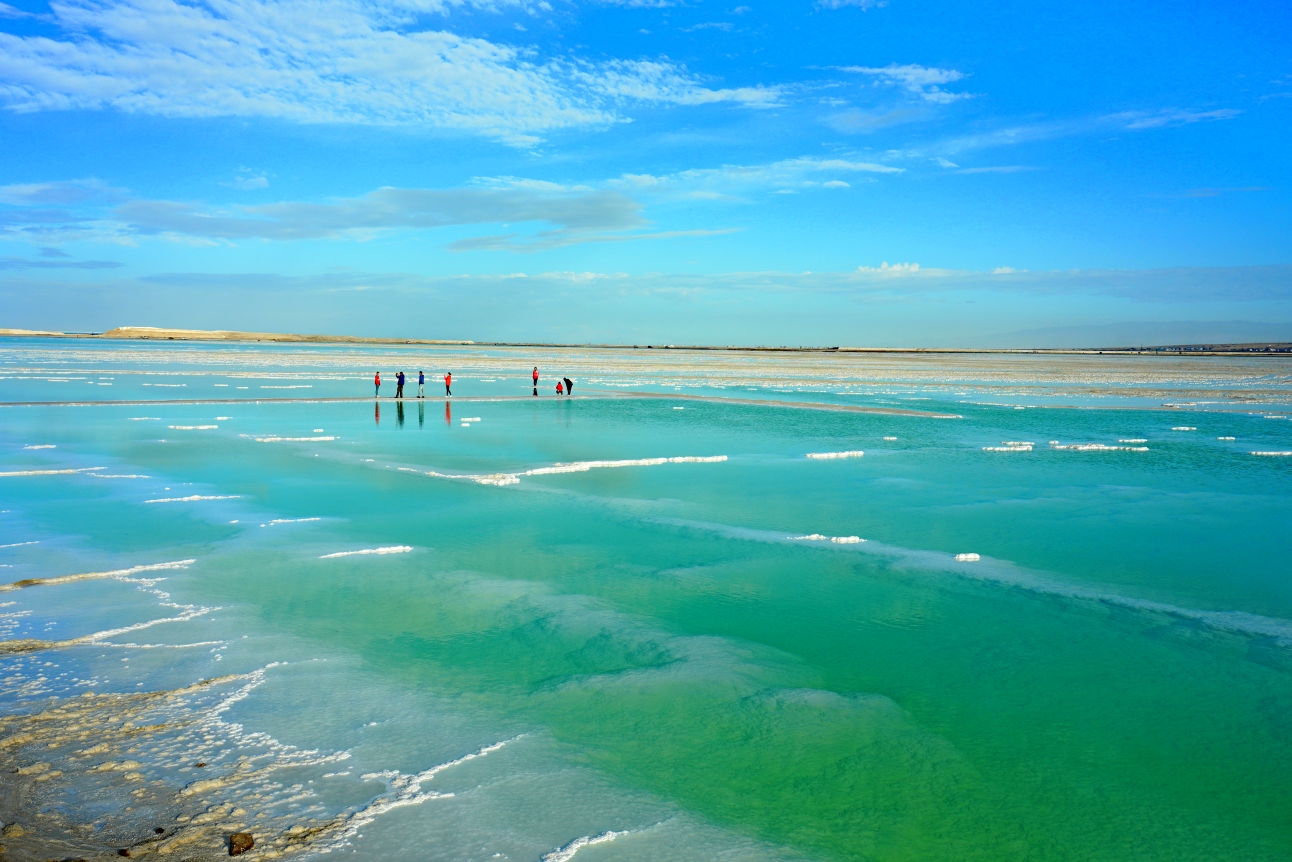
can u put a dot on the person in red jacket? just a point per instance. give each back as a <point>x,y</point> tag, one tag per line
<point>535,379</point>
<point>559,390</point>
<point>448,382</point>
<point>377,380</point>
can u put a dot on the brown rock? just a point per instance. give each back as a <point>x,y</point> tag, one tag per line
<point>199,765</point>
<point>13,830</point>
<point>240,842</point>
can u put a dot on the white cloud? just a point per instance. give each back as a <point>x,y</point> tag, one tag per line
<point>835,184</point>
<point>1170,117</point>
<point>896,270</point>
<point>732,180</point>
<point>860,4</point>
<point>923,81</point>
<point>322,61</point>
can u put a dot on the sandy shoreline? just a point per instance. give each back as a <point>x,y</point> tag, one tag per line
<point>150,333</point>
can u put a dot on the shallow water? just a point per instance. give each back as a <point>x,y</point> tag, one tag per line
<point>634,617</point>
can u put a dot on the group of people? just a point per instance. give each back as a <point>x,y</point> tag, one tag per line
<point>564,385</point>
<point>567,389</point>
<point>421,384</point>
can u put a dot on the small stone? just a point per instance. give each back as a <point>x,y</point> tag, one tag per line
<point>240,842</point>
<point>199,765</point>
<point>159,830</point>
<point>123,852</point>
<point>13,830</point>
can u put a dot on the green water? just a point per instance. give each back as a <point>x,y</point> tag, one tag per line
<point>1109,682</point>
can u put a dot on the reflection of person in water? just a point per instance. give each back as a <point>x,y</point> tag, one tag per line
<point>399,414</point>
<point>569,386</point>
<point>377,414</point>
<point>448,413</point>
<point>421,414</point>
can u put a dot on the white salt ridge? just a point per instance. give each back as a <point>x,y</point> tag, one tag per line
<point>290,439</point>
<point>566,853</point>
<point>42,446</point>
<point>291,521</point>
<point>855,453</point>
<point>392,549</point>
<point>504,479</point>
<point>20,544</point>
<point>1224,438</point>
<point>194,498</point>
<point>967,558</point>
<point>144,419</point>
<point>119,476</point>
<point>1009,446</point>
<point>51,472</point>
<point>1137,440</point>
<point>192,427</point>
<point>1272,454</point>
<point>1096,447</point>
<point>1184,428</point>
<point>890,439</point>
<point>472,419</point>
<point>838,540</point>
<point>303,386</point>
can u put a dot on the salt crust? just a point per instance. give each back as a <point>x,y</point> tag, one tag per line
<point>504,479</point>
<point>391,549</point>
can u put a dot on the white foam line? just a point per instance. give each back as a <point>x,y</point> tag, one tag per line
<point>1004,572</point>
<point>193,427</point>
<point>392,549</point>
<point>89,576</point>
<point>1027,448</point>
<point>566,853</point>
<point>194,498</point>
<point>1184,428</point>
<point>41,446</point>
<point>1272,454</point>
<point>51,472</point>
<point>502,479</point>
<point>20,544</point>
<point>291,439</point>
<point>292,520</point>
<point>119,476</point>
<point>1134,440</point>
<point>854,453</point>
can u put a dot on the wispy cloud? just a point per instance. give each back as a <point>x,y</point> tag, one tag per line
<point>386,209</point>
<point>45,263</point>
<point>859,4</point>
<point>925,82</point>
<point>323,61</point>
<point>731,181</point>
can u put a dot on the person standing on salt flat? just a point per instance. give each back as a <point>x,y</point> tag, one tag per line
<point>569,386</point>
<point>399,385</point>
<point>535,379</point>
<point>421,385</point>
<point>448,382</point>
<point>377,381</point>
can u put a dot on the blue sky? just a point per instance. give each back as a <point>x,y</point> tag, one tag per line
<point>830,172</point>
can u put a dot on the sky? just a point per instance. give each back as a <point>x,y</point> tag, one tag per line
<point>808,172</point>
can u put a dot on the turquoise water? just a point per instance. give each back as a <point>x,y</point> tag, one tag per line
<point>673,666</point>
